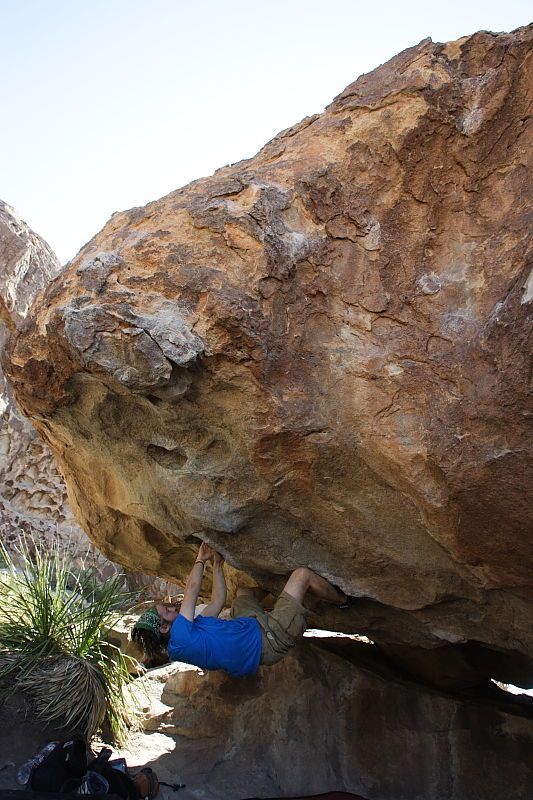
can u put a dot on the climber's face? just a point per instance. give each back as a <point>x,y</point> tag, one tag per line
<point>167,615</point>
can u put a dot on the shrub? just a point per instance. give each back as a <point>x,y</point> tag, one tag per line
<point>53,625</point>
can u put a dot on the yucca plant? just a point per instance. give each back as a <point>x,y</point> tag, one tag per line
<point>53,625</point>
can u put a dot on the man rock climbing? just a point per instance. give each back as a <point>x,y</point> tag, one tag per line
<point>240,644</point>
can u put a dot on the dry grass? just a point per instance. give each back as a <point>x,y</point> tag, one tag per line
<point>53,625</point>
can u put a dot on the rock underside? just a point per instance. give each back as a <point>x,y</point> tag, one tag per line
<point>319,356</point>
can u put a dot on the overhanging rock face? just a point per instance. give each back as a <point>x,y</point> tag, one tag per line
<point>319,356</point>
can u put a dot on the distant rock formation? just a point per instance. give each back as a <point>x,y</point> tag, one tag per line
<point>319,356</point>
<point>27,265</point>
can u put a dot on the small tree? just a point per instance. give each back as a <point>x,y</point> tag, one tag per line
<point>53,625</point>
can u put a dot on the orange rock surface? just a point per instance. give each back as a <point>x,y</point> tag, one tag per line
<point>319,356</point>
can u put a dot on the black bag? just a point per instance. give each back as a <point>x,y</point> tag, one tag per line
<point>70,764</point>
<point>64,766</point>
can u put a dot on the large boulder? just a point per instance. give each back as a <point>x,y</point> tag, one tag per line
<point>318,356</point>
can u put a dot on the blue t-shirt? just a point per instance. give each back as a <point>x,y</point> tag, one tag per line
<point>212,643</point>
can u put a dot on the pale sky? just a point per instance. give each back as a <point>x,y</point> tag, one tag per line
<point>108,104</point>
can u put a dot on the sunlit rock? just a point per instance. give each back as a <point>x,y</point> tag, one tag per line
<point>319,356</point>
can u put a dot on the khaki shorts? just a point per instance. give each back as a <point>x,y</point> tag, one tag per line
<point>281,628</point>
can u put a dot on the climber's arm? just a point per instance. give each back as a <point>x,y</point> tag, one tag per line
<point>219,592</point>
<point>194,582</point>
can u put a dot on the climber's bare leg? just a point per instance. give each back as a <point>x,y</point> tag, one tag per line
<point>304,579</point>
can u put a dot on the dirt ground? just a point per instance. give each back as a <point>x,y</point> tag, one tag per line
<point>21,737</point>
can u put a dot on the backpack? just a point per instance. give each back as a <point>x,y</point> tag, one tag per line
<point>71,767</point>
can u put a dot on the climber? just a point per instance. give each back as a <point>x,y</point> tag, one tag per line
<point>240,644</point>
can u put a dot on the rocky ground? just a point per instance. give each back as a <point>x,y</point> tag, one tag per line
<point>320,720</point>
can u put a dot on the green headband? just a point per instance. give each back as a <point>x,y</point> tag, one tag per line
<point>149,621</point>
